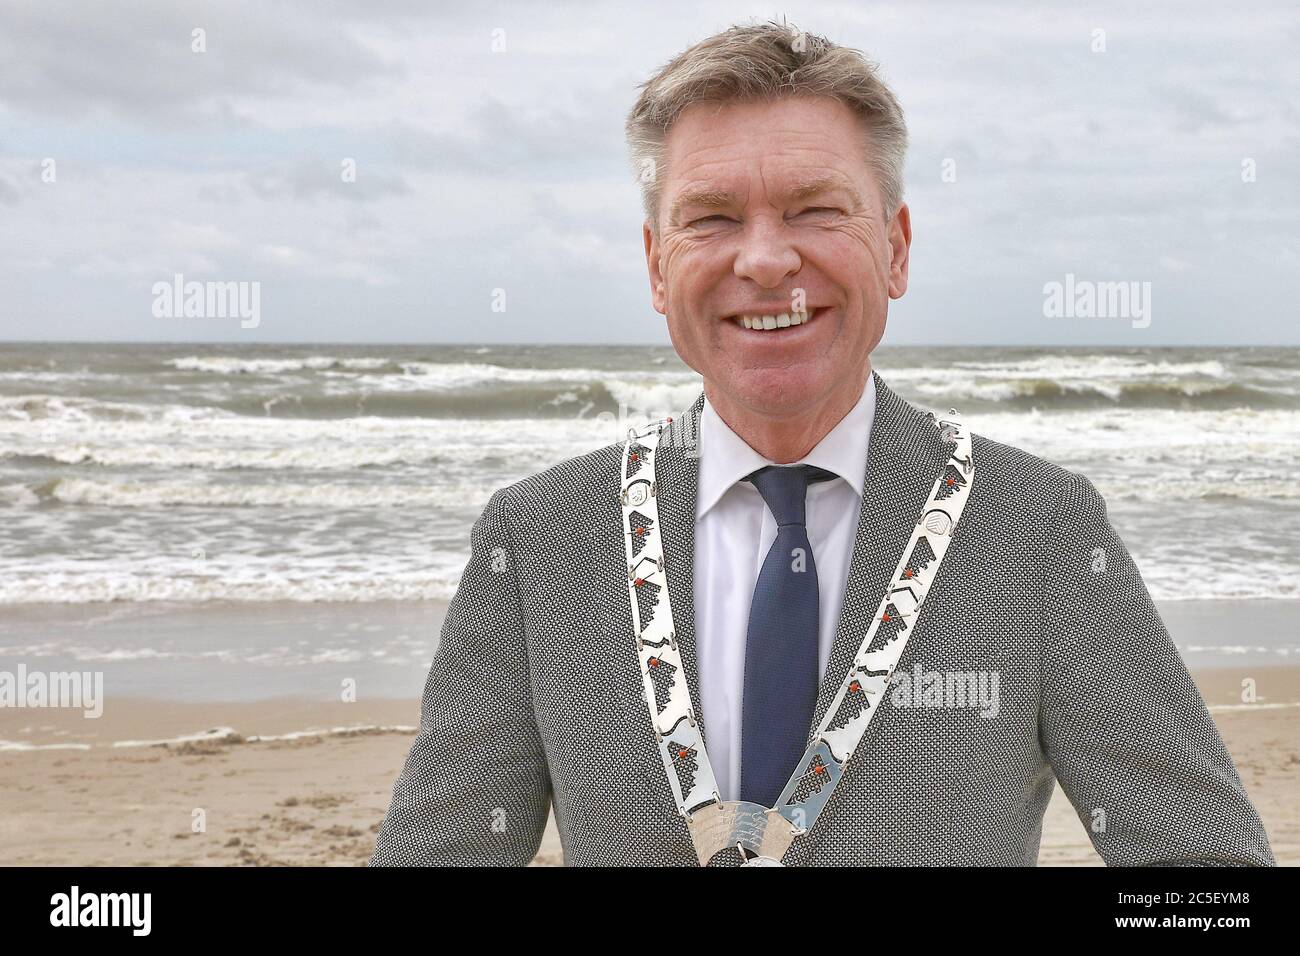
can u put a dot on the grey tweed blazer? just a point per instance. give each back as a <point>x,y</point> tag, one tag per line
<point>534,697</point>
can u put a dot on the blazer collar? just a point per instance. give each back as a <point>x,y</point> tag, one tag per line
<point>905,456</point>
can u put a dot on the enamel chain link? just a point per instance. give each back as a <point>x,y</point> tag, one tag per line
<point>765,833</point>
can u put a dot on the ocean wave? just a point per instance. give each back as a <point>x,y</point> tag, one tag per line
<point>464,391</point>
<point>49,377</point>
<point>334,495</point>
<point>238,365</point>
<point>1232,453</point>
<point>1055,394</point>
<point>1193,488</point>
<point>1191,580</point>
<point>1199,440</point>
<point>81,410</point>
<point>19,495</point>
<point>238,442</point>
<point>295,458</point>
<point>411,387</point>
<point>1107,366</point>
<point>414,373</point>
<point>1079,381</point>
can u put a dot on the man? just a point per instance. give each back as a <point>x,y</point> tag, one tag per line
<point>775,237</point>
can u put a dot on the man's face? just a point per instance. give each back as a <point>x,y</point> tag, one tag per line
<point>770,209</point>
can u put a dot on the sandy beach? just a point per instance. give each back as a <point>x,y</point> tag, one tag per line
<point>306,783</point>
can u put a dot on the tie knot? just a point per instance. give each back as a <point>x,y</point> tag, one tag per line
<point>785,487</point>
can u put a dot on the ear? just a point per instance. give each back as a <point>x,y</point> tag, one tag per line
<point>658,298</point>
<point>900,244</point>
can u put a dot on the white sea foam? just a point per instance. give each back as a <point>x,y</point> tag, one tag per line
<point>334,495</point>
<point>1171,571</point>
<point>238,365</point>
<point>217,734</point>
<point>1247,436</point>
<point>410,374</point>
<point>52,377</point>
<point>1238,452</point>
<point>18,496</point>
<point>234,442</point>
<point>1108,376</point>
<point>292,578</point>
<point>66,409</point>
<point>660,399</point>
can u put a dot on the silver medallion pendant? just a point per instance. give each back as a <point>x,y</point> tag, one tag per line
<point>761,835</point>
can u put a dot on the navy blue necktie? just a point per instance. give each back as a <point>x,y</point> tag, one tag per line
<point>781,674</point>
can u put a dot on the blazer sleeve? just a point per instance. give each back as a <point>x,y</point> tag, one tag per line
<point>475,789</point>
<point>1123,724</point>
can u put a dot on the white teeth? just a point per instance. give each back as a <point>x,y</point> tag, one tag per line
<point>767,322</point>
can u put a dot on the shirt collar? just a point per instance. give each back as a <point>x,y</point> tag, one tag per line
<point>725,458</point>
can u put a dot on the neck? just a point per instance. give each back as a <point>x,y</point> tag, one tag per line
<point>788,438</point>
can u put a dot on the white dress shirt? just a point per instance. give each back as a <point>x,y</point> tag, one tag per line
<point>734,530</point>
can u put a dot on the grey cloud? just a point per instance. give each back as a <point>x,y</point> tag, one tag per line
<point>500,138</point>
<point>72,59</point>
<point>320,176</point>
<point>9,194</point>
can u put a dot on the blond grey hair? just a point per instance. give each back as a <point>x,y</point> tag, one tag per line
<point>766,61</point>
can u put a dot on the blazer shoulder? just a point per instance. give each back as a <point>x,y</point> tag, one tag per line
<point>573,490</point>
<point>1015,477</point>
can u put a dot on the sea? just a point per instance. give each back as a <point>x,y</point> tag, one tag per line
<point>187,475</point>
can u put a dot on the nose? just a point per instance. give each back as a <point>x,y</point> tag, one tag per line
<point>767,254</point>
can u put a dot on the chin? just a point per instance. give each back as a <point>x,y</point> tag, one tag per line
<point>779,390</point>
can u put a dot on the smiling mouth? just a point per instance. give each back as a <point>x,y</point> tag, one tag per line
<point>775,321</point>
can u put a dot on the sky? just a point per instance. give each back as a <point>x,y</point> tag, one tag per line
<point>1142,143</point>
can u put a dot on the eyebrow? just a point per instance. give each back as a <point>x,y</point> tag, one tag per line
<point>706,198</point>
<point>710,198</point>
<point>824,184</point>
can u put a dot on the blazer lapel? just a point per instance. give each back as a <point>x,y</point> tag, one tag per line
<point>904,457</point>
<point>677,478</point>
